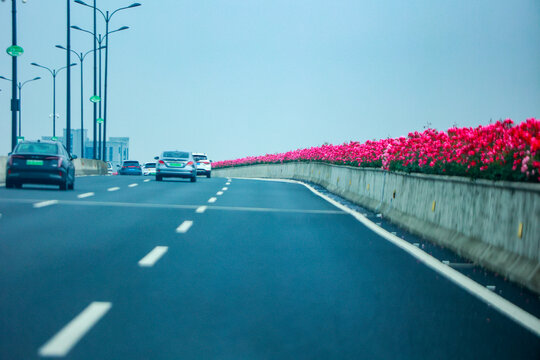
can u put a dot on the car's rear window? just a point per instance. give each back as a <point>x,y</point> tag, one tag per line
<point>200,157</point>
<point>176,154</point>
<point>131,163</point>
<point>37,148</point>
<point>150,165</point>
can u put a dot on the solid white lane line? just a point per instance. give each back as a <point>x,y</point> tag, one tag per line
<point>45,203</point>
<point>520,316</point>
<point>85,195</point>
<point>133,185</point>
<point>212,200</point>
<point>61,343</point>
<point>153,256</point>
<point>201,209</point>
<point>113,188</point>
<point>219,193</point>
<point>184,227</point>
<point>146,180</point>
<point>225,189</point>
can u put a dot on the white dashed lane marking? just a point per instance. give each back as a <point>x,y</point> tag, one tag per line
<point>219,193</point>
<point>212,200</point>
<point>133,185</point>
<point>225,189</point>
<point>184,227</point>
<point>61,343</point>
<point>85,195</point>
<point>199,210</point>
<point>153,256</point>
<point>116,188</point>
<point>147,180</point>
<point>45,203</point>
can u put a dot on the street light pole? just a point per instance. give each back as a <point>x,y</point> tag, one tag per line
<point>54,107</point>
<point>100,106</point>
<point>14,100</point>
<point>68,80</point>
<point>53,72</point>
<point>95,80</point>
<point>20,86</point>
<point>81,58</point>
<point>20,101</point>
<point>104,157</point>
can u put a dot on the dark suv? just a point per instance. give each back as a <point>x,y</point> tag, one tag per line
<point>130,167</point>
<point>40,162</point>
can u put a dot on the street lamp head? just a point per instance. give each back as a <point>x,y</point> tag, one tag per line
<point>81,2</point>
<point>60,47</point>
<point>35,64</point>
<point>75,27</point>
<point>5,78</point>
<point>134,5</point>
<point>123,28</point>
<point>36,78</point>
<point>72,64</point>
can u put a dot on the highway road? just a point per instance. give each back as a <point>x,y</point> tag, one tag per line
<point>131,268</point>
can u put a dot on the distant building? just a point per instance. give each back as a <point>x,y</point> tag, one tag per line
<point>117,147</point>
<point>117,150</point>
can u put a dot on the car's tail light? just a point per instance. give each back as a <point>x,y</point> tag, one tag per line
<point>10,161</point>
<point>161,162</point>
<point>190,163</point>
<point>57,158</point>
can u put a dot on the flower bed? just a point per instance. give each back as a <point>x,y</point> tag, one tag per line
<point>499,151</point>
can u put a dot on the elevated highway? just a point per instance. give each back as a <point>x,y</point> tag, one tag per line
<point>131,268</point>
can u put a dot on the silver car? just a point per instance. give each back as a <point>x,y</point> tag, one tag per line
<point>178,164</point>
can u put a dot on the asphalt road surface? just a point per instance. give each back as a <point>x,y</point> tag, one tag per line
<point>131,268</point>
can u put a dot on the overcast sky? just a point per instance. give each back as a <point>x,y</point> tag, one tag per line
<point>247,77</point>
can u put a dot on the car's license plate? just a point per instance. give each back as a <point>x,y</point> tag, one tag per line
<point>34,162</point>
<point>176,164</point>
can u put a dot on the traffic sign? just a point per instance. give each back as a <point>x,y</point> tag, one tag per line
<point>99,120</point>
<point>54,138</point>
<point>95,99</point>
<point>15,50</point>
<point>19,139</point>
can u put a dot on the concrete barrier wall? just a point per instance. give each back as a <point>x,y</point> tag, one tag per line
<point>90,167</point>
<point>82,167</point>
<point>495,224</point>
<point>3,160</point>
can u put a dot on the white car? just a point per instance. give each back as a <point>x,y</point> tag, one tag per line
<point>204,166</point>
<point>111,169</point>
<point>149,168</point>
